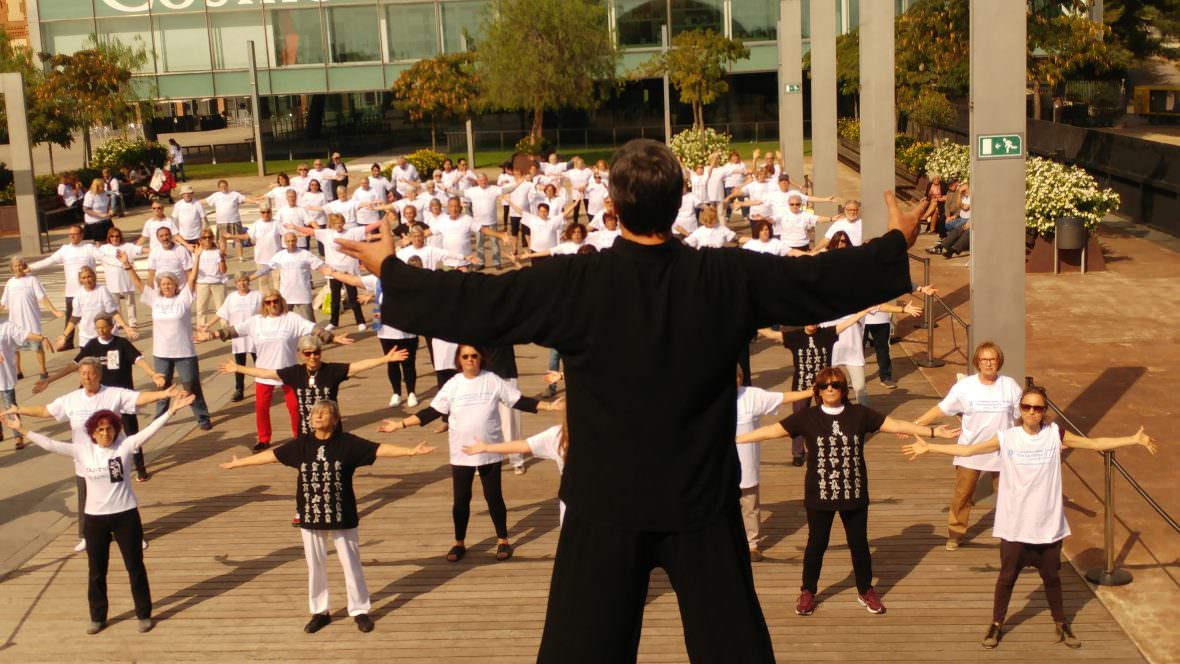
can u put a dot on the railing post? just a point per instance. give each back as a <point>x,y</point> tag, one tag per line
<point>1108,575</point>
<point>930,362</point>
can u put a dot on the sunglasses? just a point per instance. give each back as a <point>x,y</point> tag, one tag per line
<point>835,385</point>
<point>311,353</point>
<point>1028,407</point>
<point>272,302</point>
<point>795,204</point>
<point>157,207</point>
<point>469,356</point>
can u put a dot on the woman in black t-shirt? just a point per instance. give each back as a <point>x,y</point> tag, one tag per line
<point>837,480</point>
<point>326,459</point>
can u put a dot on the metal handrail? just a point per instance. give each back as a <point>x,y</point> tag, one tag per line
<point>951,312</point>
<point>1108,574</point>
<point>930,361</point>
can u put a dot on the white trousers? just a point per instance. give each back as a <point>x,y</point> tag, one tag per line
<point>856,381</point>
<point>315,549</point>
<point>510,427</point>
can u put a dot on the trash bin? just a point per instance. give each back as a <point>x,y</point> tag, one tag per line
<point>1069,235</point>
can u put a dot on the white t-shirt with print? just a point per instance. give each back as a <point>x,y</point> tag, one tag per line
<point>547,445</point>
<point>986,410</point>
<point>854,229</point>
<point>172,323</point>
<point>267,237</point>
<point>177,260</point>
<point>714,237</point>
<point>227,206</point>
<point>295,268</point>
<point>152,225</point>
<point>474,408</point>
<point>546,233</point>
<point>114,275</point>
<point>87,306</point>
<point>22,298</point>
<point>276,338</point>
<point>78,406</point>
<point>11,336</point>
<point>1028,502</point>
<point>236,309</point>
<point>753,403</point>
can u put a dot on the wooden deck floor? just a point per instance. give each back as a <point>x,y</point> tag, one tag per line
<point>229,582</point>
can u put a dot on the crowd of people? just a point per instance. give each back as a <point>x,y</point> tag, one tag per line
<point>640,232</point>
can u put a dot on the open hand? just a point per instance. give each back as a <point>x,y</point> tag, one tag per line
<point>422,448</point>
<point>389,426</point>
<point>945,431</point>
<point>179,402</point>
<point>477,447</point>
<point>397,355</point>
<point>231,464</point>
<point>1145,440</point>
<point>907,221</point>
<point>916,448</point>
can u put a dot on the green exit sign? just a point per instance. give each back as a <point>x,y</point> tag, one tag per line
<point>794,88</point>
<point>1001,146</point>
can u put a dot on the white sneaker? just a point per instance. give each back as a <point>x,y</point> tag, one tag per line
<point>395,400</point>
<point>145,544</point>
<point>362,327</point>
<point>329,327</point>
<point>412,400</point>
<point>80,546</point>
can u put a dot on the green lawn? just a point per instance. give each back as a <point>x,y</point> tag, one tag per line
<point>229,169</point>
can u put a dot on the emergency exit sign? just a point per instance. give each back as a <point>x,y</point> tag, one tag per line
<point>1000,146</point>
<point>794,88</point>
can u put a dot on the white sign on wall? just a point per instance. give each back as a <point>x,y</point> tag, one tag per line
<point>136,6</point>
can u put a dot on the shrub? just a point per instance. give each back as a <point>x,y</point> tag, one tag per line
<point>528,146</point>
<point>122,152</point>
<point>951,161</point>
<point>45,185</point>
<point>426,161</point>
<point>849,129</point>
<point>914,156</point>
<point>694,147</point>
<point>1052,190</point>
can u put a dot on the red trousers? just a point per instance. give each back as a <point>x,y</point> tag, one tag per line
<point>262,397</point>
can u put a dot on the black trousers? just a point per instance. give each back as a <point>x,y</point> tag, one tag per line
<point>443,375</point>
<point>131,427</point>
<point>958,240</point>
<point>599,588</point>
<point>397,370</point>
<point>1015,556</point>
<point>462,478</point>
<point>856,529</point>
<point>127,530</point>
<point>879,333</point>
<point>240,379</point>
<point>353,302</point>
<point>68,316</point>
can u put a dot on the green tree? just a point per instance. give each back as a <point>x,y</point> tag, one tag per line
<point>98,81</point>
<point>1146,28</point>
<point>538,55</point>
<point>696,66</point>
<point>932,60</point>
<point>49,120</point>
<point>1063,41</point>
<point>440,88</point>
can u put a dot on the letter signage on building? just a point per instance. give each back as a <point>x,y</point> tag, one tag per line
<point>137,6</point>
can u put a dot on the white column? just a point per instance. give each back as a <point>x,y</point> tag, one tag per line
<point>878,120</point>
<point>13,87</point>
<point>823,99</point>
<point>997,185</point>
<point>790,87</point>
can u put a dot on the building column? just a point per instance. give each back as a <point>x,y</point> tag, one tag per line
<point>21,148</point>
<point>823,99</point>
<point>878,120</point>
<point>790,87</point>
<point>998,36</point>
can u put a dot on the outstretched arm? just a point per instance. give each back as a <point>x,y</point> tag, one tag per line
<point>387,451</point>
<point>56,374</point>
<point>394,355</point>
<point>136,441</point>
<point>511,447</point>
<point>768,432</point>
<point>920,447</point>
<point>229,366</point>
<point>773,335</point>
<point>145,398</point>
<point>1103,444</point>
<point>901,426</point>
<point>13,421</point>
<point>260,459</point>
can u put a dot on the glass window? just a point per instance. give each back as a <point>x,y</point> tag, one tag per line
<point>639,21</point>
<point>66,37</point>
<point>755,19</point>
<point>413,31</point>
<point>853,15</point>
<point>182,42</point>
<point>696,15</point>
<point>51,9</point>
<point>353,34</point>
<point>229,32</point>
<point>134,32</point>
<point>297,39</point>
<point>461,18</point>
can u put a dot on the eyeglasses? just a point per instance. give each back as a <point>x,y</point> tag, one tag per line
<point>835,385</point>
<point>988,359</point>
<point>311,353</point>
<point>1028,407</point>
<point>157,207</point>
<point>794,204</point>
<point>469,356</point>
<point>272,302</point>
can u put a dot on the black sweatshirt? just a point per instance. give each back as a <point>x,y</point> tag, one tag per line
<point>651,337</point>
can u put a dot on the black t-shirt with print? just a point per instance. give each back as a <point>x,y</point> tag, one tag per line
<point>323,494</point>
<point>117,358</point>
<point>310,388</point>
<point>836,478</point>
<point>810,353</point>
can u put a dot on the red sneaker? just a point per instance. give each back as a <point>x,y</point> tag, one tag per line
<point>871,602</point>
<point>806,604</point>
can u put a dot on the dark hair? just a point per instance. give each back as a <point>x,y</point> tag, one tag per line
<point>834,243</point>
<point>587,249</point>
<point>101,416</point>
<point>646,184</point>
<point>568,234</point>
<point>827,375</point>
<point>477,349</point>
<point>756,226</point>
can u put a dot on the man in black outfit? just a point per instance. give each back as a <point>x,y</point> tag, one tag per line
<point>652,475</point>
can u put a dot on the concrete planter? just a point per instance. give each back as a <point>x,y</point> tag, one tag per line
<point>9,223</point>
<point>1039,259</point>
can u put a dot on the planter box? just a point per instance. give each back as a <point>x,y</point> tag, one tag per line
<point>1039,259</point>
<point>9,222</point>
<point>908,185</point>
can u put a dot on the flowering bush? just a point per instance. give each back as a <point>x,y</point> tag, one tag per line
<point>914,156</point>
<point>694,147</point>
<point>849,129</point>
<point>528,146</point>
<point>426,161</point>
<point>122,152</point>
<point>951,161</point>
<point>1052,190</point>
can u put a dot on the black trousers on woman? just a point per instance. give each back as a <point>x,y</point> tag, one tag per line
<point>462,478</point>
<point>397,370</point>
<point>240,379</point>
<point>353,302</point>
<point>127,530</point>
<point>1015,556</point>
<point>856,529</point>
<point>599,587</point>
<point>131,427</point>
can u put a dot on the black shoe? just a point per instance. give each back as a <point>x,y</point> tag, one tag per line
<point>364,623</point>
<point>206,425</point>
<point>948,253</point>
<point>936,249</point>
<point>259,447</point>
<point>317,622</point>
<point>1065,635</point>
<point>145,625</point>
<point>238,396</point>
<point>992,639</point>
<point>797,461</point>
<point>95,626</point>
<point>20,376</point>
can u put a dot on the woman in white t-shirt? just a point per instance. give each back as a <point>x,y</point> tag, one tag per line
<point>22,295</point>
<point>313,201</point>
<point>111,509</point>
<point>97,212</point>
<point>988,403</point>
<point>849,351</point>
<point>115,277</point>
<point>710,233</point>
<point>173,350</point>
<point>471,400</point>
<point>551,444</point>
<point>238,307</point>
<point>277,195</point>
<point>209,262</point>
<point>340,263</point>
<point>90,301</point>
<point>1030,517</point>
<point>275,333</point>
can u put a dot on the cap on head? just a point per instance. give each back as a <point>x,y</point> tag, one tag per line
<point>186,189</point>
<point>264,206</point>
